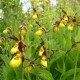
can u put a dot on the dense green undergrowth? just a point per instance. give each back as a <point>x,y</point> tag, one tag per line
<point>41,44</point>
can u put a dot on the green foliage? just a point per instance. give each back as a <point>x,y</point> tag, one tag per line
<point>42,74</point>
<point>62,47</point>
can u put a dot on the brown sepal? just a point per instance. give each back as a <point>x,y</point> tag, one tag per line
<point>14,38</point>
<point>21,46</point>
<point>74,20</point>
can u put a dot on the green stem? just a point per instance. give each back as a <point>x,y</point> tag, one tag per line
<point>70,35</point>
<point>28,77</point>
<point>64,38</point>
<point>76,59</point>
<point>37,77</point>
<point>22,73</point>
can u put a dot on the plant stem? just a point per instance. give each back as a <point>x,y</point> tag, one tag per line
<point>29,78</point>
<point>22,73</point>
<point>64,38</point>
<point>76,59</point>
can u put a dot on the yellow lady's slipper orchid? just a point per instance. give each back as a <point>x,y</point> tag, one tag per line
<point>5,31</point>
<point>56,29</point>
<point>70,27</point>
<point>41,51</point>
<point>61,25</point>
<point>65,18</point>
<point>15,62</point>
<point>44,63</point>
<point>23,32</point>
<point>0,41</point>
<point>34,16</point>
<point>29,68</point>
<point>38,33</point>
<point>14,49</point>
<point>43,58</point>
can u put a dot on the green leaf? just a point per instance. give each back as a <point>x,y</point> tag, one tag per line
<point>55,58</point>
<point>8,73</point>
<point>5,58</point>
<point>69,73</point>
<point>78,77</point>
<point>11,74</point>
<point>78,35</point>
<point>43,74</point>
<point>18,71</point>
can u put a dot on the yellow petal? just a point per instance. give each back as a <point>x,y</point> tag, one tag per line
<point>15,62</point>
<point>34,16</point>
<point>61,25</point>
<point>14,50</point>
<point>43,58</point>
<point>41,51</point>
<point>70,27</point>
<point>44,63</point>
<point>23,32</point>
<point>38,33</point>
<point>5,31</point>
<point>0,41</point>
<point>56,29</point>
<point>29,68</point>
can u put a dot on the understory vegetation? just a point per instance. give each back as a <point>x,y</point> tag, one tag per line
<point>42,43</point>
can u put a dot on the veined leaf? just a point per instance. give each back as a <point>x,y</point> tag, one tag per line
<point>43,74</point>
<point>55,58</point>
<point>69,73</point>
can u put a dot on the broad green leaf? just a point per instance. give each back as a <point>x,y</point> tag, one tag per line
<point>55,58</point>
<point>42,73</point>
<point>5,58</point>
<point>69,73</point>
<point>11,74</point>
<point>8,73</point>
